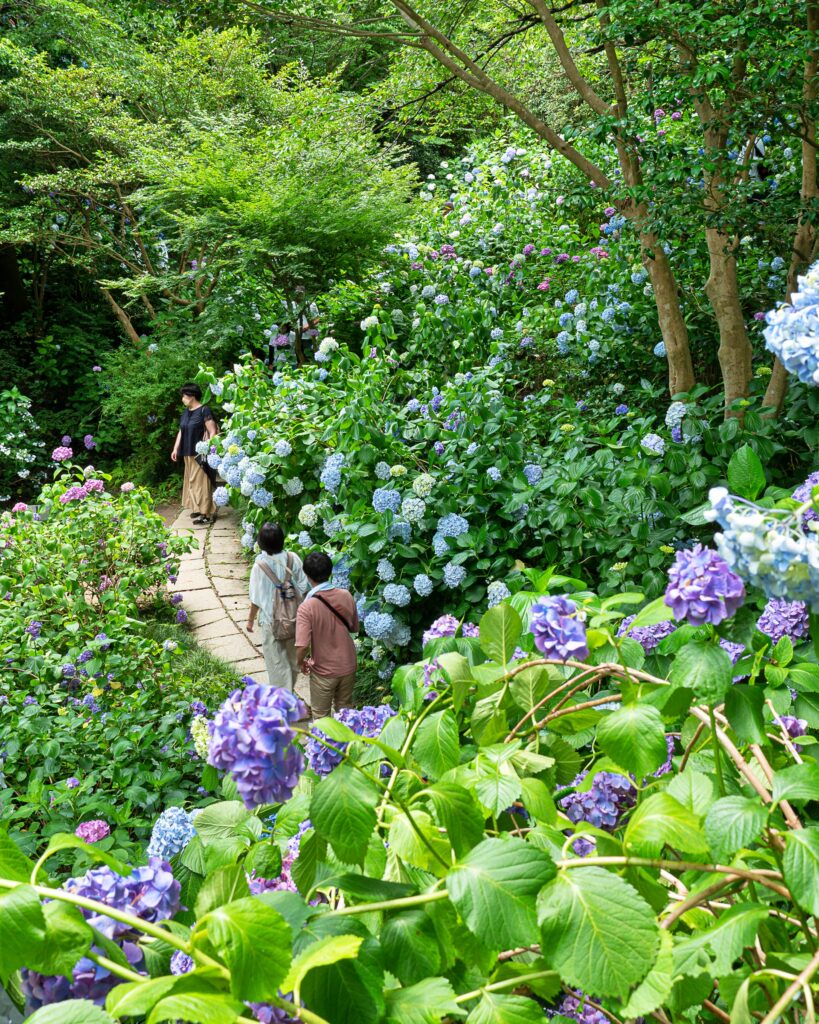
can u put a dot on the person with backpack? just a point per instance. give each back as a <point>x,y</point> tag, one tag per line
<point>277,587</point>
<point>324,623</point>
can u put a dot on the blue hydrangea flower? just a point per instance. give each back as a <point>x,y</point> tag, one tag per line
<point>282,448</point>
<point>385,570</point>
<point>494,473</point>
<point>379,625</point>
<point>558,629</point>
<point>422,584</point>
<point>331,473</point>
<point>413,509</point>
<point>454,575</point>
<point>565,319</point>
<point>452,525</point>
<point>261,497</point>
<point>608,314</point>
<point>572,296</point>
<point>792,333</point>
<point>385,499</point>
<point>653,444</point>
<point>172,832</point>
<point>533,473</point>
<point>400,530</point>
<point>659,350</point>
<point>221,496</point>
<point>439,545</point>
<point>701,587</point>
<point>382,470</point>
<point>496,333</point>
<point>397,594</point>
<point>496,592</point>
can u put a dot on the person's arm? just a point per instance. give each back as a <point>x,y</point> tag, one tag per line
<point>210,423</point>
<point>176,446</point>
<point>303,636</point>
<point>253,594</point>
<point>251,616</point>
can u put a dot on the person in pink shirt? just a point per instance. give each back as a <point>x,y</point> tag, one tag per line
<point>324,645</point>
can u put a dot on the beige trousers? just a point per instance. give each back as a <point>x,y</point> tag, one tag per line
<point>279,660</point>
<point>326,691</point>
<point>197,490</point>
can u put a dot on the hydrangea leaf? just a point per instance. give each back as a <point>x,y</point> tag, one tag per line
<point>634,737</point>
<point>704,668</point>
<point>799,782</point>
<point>436,744</point>
<point>21,919</point>
<point>746,476</point>
<point>661,820</point>
<point>800,865</point>
<point>222,819</point>
<point>743,709</point>
<point>343,812</point>
<point>500,628</point>
<point>71,1011</point>
<point>457,811</point>
<point>655,988</point>
<point>601,934</point>
<point>410,945</point>
<point>495,1008</point>
<point>529,687</point>
<point>693,790</point>
<point>735,930</point>
<point>328,950</point>
<point>67,938</point>
<point>732,823</point>
<point>201,1007</point>
<point>428,1002</point>
<point>538,800</point>
<point>348,991</point>
<point>224,885</point>
<point>493,889</point>
<point>254,941</point>
<point>406,843</point>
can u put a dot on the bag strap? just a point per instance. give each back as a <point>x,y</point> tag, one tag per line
<point>337,614</point>
<point>288,568</point>
<point>269,573</point>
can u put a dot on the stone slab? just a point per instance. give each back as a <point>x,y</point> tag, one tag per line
<point>224,545</point>
<point>226,558</point>
<point>250,667</point>
<point>226,587</point>
<point>206,616</point>
<point>192,578</point>
<point>233,648</point>
<point>201,600</point>
<point>221,627</point>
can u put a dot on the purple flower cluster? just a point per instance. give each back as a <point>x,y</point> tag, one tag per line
<point>93,831</point>
<point>34,628</point>
<point>367,721</point>
<point>252,738</point>
<point>792,725</point>
<point>702,588</point>
<point>61,453</point>
<point>576,1008</point>
<point>784,618</point>
<point>603,805</point>
<point>648,637</point>
<point>447,625</point>
<point>557,628</point>
<point>803,493</point>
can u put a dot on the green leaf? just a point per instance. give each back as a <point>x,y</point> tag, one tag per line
<point>343,812</point>
<point>704,668</point>
<point>735,930</point>
<point>746,477</point>
<point>529,687</point>
<point>799,782</point>
<point>369,890</point>
<point>405,842</point>
<point>265,859</point>
<point>23,927</point>
<point>410,945</point>
<point>800,866</point>
<point>693,790</point>
<point>67,938</point>
<point>197,1008</point>
<point>497,786</point>
<point>428,1002</point>
<point>634,737</point>
<point>495,1008</point>
<point>599,931</point>
<point>14,865</point>
<point>655,988</point>
<point>537,799</point>
<point>733,823</point>
<point>653,613</point>
<point>457,669</point>
<point>70,1011</point>
<point>223,820</point>
<point>348,991</point>
<point>224,886</point>
<point>457,811</point>
<point>68,841</point>
<point>661,820</point>
<point>436,744</point>
<point>136,998</point>
<point>743,709</point>
<point>493,889</point>
<point>335,730</point>
<point>254,942</point>
<point>500,630</point>
<point>328,950</point>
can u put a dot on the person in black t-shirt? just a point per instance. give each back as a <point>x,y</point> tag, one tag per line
<point>196,424</point>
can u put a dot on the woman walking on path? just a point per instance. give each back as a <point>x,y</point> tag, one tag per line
<point>277,587</point>
<point>196,424</point>
<point>323,626</point>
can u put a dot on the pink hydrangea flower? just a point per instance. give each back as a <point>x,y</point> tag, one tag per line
<point>543,286</point>
<point>126,487</point>
<point>93,831</point>
<point>73,494</point>
<point>61,453</point>
<point>97,369</point>
<point>94,485</point>
<point>21,506</point>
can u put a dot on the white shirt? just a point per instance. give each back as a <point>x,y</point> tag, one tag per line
<point>261,586</point>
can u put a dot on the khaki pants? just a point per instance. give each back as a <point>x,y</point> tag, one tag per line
<point>197,490</point>
<point>279,660</point>
<point>325,691</point>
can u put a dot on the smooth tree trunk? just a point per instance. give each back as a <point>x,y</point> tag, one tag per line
<point>722,289</point>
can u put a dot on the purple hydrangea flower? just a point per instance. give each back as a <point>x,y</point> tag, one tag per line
<point>29,700</point>
<point>85,656</point>
<point>701,587</point>
<point>793,726</point>
<point>603,805</point>
<point>72,782</point>
<point>803,493</point>
<point>447,625</point>
<point>177,599</point>
<point>198,708</point>
<point>438,448</point>
<point>784,618</point>
<point>181,616</point>
<point>366,721</point>
<point>34,628</point>
<point>648,637</point>
<point>621,410</point>
<point>576,1008</point>
<point>557,628</point>
<point>252,738</point>
<point>181,963</point>
<point>93,831</point>
<point>89,442</point>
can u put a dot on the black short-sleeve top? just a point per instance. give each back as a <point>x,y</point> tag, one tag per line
<point>192,428</point>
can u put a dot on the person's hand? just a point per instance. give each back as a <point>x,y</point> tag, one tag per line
<point>249,626</point>
<point>174,455</point>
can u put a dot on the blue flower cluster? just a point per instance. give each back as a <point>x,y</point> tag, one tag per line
<point>385,570</point>
<point>422,585</point>
<point>386,499</point>
<point>367,721</point>
<point>649,637</point>
<point>454,575</point>
<point>397,594</point>
<point>331,473</point>
<point>379,625</point>
<point>557,628</point>
<point>533,473</point>
<point>172,832</point>
<point>452,525</point>
<point>496,592</point>
<point>792,333</point>
<point>702,588</point>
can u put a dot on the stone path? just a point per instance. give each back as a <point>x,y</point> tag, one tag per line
<point>214,579</point>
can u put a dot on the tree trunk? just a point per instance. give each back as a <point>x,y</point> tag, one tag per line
<point>722,289</point>
<point>122,316</point>
<point>669,314</point>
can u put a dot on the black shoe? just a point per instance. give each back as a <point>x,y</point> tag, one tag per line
<point>199,520</point>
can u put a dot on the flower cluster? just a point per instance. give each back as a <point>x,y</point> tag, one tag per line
<point>649,637</point>
<point>172,832</point>
<point>386,499</point>
<point>448,625</point>
<point>602,805</point>
<point>558,629</point>
<point>784,618</point>
<point>702,588</point>
<point>323,754</point>
<point>93,831</point>
<point>496,592</point>
<point>792,334</point>
<point>252,738</point>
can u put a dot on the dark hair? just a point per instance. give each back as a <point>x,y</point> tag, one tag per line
<point>271,538</point>
<point>318,566</point>
<point>193,390</point>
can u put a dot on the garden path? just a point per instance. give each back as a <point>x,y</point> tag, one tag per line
<point>213,579</point>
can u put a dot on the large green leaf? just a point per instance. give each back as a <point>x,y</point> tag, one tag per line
<point>735,930</point>
<point>495,1008</point>
<point>800,865</point>
<point>197,1008</point>
<point>254,941</point>
<point>693,790</point>
<point>457,669</point>
<point>69,841</point>
<point>67,938</point>
<point>653,613</point>
<point>493,889</point>
<point>428,1002</point>
<point>732,823</point>
<point>746,477</point>
<point>343,812</point>
<point>22,927</point>
<point>537,799</point>
<point>661,820</point>
<point>406,843</point>
<point>529,687</point>
<point>799,782</point>
<point>14,865</point>
<point>633,736</point>
<point>743,709</point>
<point>70,1011</point>
<point>347,991</point>
<point>224,886</point>
<point>457,811</point>
<point>655,988</point>
<point>500,628</point>
<point>410,946</point>
<point>704,668</point>
<point>225,820</point>
<point>436,743</point>
<point>326,951</point>
<point>598,931</point>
